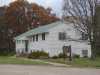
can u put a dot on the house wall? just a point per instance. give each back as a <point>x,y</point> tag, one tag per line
<point>56,45</point>
<point>53,45</point>
<point>40,44</point>
<point>77,48</point>
<point>20,45</point>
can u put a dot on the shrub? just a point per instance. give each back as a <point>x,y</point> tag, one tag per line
<point>76,56</point>
<point>38,54</point>
<point>23,54</point>
<point>61,55</point>
<point>55,57</point>
<point>6,52</point>
<point>85,56</point>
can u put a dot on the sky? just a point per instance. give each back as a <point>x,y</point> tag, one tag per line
<point>56,5</point>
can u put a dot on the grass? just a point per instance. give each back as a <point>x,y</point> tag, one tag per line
<point>85,62</point>
<point>20,61</point>
<point>79,62</point>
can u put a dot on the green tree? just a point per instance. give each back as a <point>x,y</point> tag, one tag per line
<point>97,30</point>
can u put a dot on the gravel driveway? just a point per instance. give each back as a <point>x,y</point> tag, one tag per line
<point>44,70</point>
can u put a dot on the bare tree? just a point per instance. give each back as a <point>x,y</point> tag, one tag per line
<point>82,14</point>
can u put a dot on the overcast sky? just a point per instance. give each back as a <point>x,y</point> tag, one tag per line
<point>56,5</point>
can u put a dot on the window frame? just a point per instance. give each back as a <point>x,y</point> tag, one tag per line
<point>43,36</point>
<point>33,38</point>
<point>84,36</point>
<point>62,36</point>
<point>37,37</point>
<point>85,53</point>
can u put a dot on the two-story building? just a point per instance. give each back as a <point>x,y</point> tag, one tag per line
<point>51,38</point>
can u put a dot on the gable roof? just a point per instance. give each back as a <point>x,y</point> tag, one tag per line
<point>39,30</point>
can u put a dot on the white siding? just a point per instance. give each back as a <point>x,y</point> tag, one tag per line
<point>40,44</point>
<point>20,46</point>
<point>53,45</point>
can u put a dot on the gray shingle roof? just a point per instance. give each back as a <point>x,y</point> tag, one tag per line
<point>39,30</point>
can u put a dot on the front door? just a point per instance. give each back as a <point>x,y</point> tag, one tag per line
<point>67,52</point>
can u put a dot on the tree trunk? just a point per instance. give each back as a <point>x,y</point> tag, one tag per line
<point>93,53</point>
<point>92,43</point>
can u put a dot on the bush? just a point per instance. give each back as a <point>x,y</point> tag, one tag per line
<point>85,56</point>
<point>38,54</point>
<point>61,55</point>
<point>55,57</point>
<point>76,56</point>
<point>22,54</point>
<point>6,52</point>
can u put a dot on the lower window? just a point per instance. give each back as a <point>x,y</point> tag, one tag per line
<point>85,53</point>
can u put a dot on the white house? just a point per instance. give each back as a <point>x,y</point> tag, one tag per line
<point>51,38</point>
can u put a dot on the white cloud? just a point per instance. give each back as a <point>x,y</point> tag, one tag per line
<point>49,3</point>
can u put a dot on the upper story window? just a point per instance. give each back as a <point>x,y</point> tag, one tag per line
<point>30,38</point>
<point>33,38</point>
<point>84,36</point>
<point>18,41</point>
<point>23,41</point>
<point>62,36</point>
<point>37,37</point>
<point>43,36</point>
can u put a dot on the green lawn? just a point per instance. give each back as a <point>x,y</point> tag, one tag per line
<point>22,61</point>
<point>80,62</point>
<point>85,62</point>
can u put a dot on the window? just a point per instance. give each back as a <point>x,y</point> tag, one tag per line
<point>23,41</point>
<point>84,36</point>
<point>26,45</point>
<point>18,41</point>
<point>85,53</point>
<point>62,36</point>
<point>33,38</point>
<point>30,38</point>
<point>43,36</point>
<point>37,37</point>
